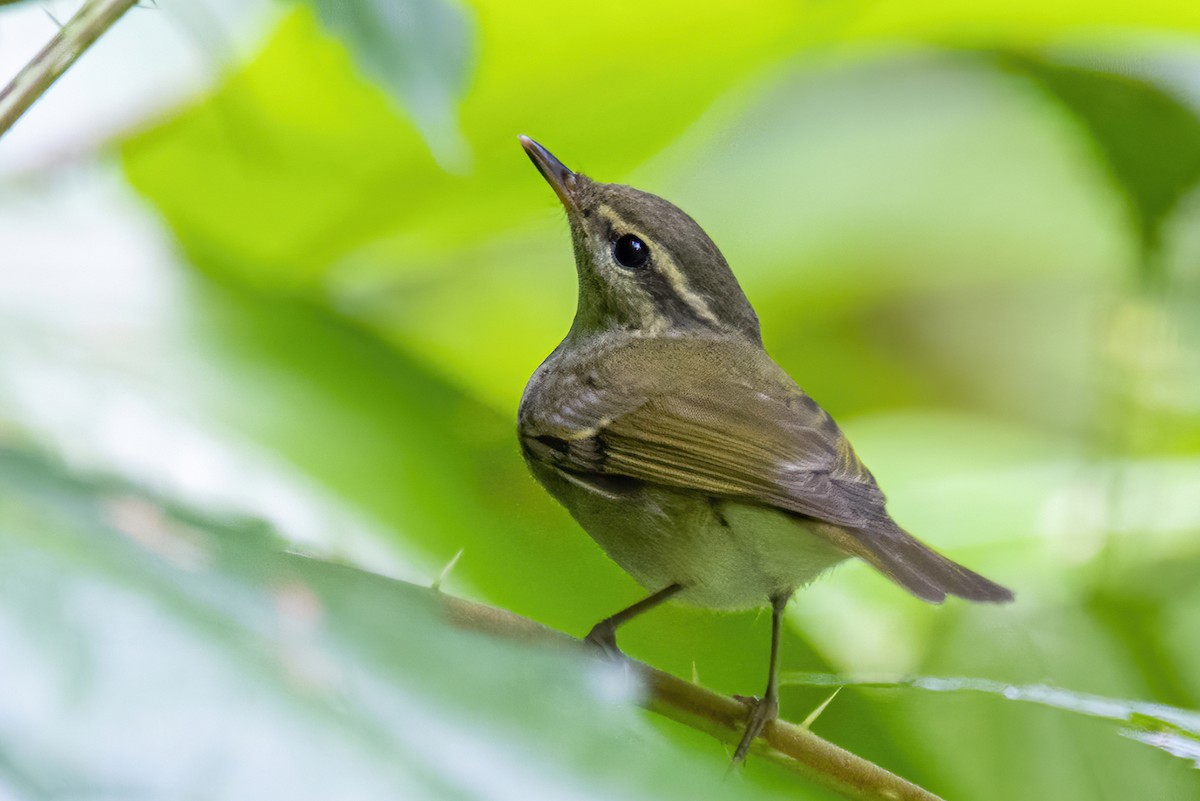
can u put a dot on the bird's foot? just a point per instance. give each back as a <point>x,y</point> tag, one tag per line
<point>762,712</point>
<point>604,637</point>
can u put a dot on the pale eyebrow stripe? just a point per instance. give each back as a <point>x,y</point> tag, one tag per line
<point>669,270</point>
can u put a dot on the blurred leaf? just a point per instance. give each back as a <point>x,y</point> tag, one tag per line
<point>1175,741</point>
<point>269,185</point>
<point>164,654</point>
<point>1176,731</point>
<point>1048,636</point>
<point>420,50</point>
<point>1148,140</point>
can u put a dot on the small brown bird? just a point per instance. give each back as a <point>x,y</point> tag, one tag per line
<point>693,459</point>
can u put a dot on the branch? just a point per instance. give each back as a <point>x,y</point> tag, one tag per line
<point>80,32</point>
<point>786,744</point>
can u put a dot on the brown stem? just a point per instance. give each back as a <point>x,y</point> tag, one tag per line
<point>80,32</point>
<point>786,744</point>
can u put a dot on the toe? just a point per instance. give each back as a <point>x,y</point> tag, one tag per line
<point>605,640</point>
<point>762,712</point>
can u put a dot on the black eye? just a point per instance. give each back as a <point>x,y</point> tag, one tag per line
<point>631,252</point>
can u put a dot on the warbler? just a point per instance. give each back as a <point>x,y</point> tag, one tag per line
<point>695,461</point>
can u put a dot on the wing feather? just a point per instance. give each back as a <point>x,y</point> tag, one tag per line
<point>722,419</point>
<point>716,424</point>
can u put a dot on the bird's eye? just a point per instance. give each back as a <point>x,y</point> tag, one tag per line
<point>630,252</point>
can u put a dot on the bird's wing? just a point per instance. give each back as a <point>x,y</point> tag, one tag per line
<point>719,420</point>
<point>745,446</point>
<point>722,419</point>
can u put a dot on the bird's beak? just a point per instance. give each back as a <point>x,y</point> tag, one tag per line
<point>561,179</point>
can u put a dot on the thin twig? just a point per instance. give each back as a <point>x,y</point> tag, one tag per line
<point>723,717</point>
<point>80,32</point>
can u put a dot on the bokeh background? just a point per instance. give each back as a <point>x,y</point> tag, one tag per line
<point>272,278</point>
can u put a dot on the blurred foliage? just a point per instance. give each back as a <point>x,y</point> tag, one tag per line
<point>420,50</point>
<point>1149,141</point>
<point>948,217</point>
<point>249,672</point>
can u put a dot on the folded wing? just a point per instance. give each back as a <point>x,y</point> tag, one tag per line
<point>719,426</point>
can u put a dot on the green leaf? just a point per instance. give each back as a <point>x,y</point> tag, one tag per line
<point>161,653</point>
<point>1176,731</point>
<point>1147,140</point>
<point>420,50</point>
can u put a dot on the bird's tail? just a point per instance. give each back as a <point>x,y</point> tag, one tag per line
<point>921,570</point>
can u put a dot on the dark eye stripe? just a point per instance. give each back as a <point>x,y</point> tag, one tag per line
<point>667,301</point>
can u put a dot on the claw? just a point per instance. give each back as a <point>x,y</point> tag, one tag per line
<point>762,712</point>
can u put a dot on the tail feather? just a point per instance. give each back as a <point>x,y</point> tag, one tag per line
<point>921,570</point>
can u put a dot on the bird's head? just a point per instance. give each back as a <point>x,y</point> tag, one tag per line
<point>643,264</point>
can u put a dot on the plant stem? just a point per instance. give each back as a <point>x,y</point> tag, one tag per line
<point>786,744</point>
<point>80,32</point>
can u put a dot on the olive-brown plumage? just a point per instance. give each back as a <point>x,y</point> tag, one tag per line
<point>692,458</point>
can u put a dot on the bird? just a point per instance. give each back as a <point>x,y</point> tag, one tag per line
<point>696,462</point>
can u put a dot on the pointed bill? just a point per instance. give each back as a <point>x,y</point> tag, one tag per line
<point>554,171</point>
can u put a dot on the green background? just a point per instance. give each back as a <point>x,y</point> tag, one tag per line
<point>291,316</point>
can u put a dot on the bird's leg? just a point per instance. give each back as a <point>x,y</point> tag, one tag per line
<point>764,710</point>
<point>604,634</point>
